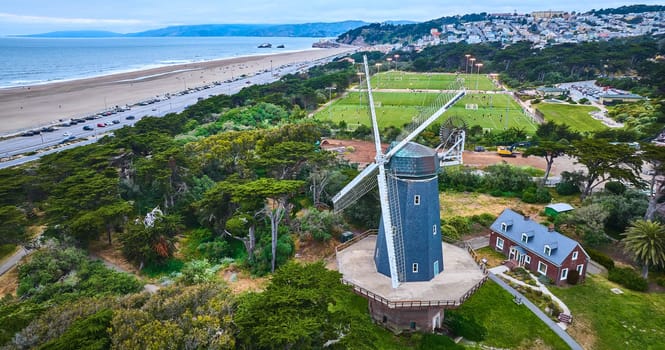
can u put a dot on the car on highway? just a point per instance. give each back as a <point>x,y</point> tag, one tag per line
<point>68,138</point>
<point>28,133</point>
<point>130,117</point>
<point>115,121</point>
<point>67,134</point>
<point>101,125</point>
<point>88,127</point>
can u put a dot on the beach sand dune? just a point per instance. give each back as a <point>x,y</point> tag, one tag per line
<point>31,106</point>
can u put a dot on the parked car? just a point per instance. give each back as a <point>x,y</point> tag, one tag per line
<point>67,134</point>
<point>115,121</point>
<point>130,117</point>
<point>101,125</point>
<point>88,127</point>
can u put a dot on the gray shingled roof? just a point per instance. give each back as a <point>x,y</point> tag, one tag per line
<point>561,245</point>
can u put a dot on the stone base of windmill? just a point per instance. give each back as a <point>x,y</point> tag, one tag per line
<point>413,306</point>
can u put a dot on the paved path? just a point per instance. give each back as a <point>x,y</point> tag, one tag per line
<point>13,260</point>
<point>553,325</point>
<point>479,242</point>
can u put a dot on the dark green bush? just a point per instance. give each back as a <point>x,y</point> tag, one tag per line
<point>615,187</point>
<point>660,281</point>
<point>536,195</point>
<point>461,224</point>
<point>628,278</point>
<point>465,326</point>
<point>573,277</point>
<point>600,258</point>
<point>484,219</point>
<point>566,188</point>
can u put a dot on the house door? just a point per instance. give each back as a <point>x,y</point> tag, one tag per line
<point>512,254</point>
<point>521,260</point>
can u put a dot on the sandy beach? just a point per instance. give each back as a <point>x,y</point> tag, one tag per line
<point>31,106</point>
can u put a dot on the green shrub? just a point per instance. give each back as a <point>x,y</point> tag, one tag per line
<point>566,188</point>
<point>660,281</point>
<point>573,277</point>
<point>465,326</point>
<point>600,258</point>
<point>461,224</point>
<point>484,219</point>
<point>449,231</point>
<point>628,278</point>
<point>615,187</point>
<point>536,195</point>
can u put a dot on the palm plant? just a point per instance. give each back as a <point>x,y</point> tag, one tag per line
<point>645,241</point>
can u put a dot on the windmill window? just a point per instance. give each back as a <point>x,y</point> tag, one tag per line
<point>415,267</point>
<point>416,200</point>
<point>434,229</point>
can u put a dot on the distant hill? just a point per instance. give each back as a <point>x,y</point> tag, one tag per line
<point>268,30</point>
<point>629,9</point>
<point>77,34</point>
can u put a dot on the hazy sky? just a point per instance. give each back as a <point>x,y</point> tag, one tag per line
<point>38,16</point>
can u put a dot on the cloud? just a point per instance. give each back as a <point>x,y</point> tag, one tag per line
<point>13,18</point>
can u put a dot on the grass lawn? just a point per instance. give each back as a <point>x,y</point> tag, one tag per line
<point>493,257</point>
<point>508,325</point>
<point>604,320</point>
<point>469,204</point>
<point>494,111</point>
<point>574,115</point>
<point>430,81</point>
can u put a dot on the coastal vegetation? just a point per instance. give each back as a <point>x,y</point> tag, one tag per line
<point>239,184</point>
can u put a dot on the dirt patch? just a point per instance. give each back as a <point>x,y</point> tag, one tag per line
<point>9,282</point>
<point>468,204</point>
<point>355,151</point>
<point>111,255</point>
<point>239,281</point>
<point>311,250</point>
<point>363,153</point>
<point>583,333</point>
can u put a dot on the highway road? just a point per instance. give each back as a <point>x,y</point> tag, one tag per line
<point>18,145</point>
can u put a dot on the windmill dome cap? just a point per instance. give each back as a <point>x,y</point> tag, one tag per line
<point>414,150</point>
<point>414,160</point>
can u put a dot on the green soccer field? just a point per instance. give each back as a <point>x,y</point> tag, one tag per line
<point>576,116</point>
<point>430,81</point>
<point>495,111</point>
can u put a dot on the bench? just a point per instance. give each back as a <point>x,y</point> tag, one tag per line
<point>565,318</point>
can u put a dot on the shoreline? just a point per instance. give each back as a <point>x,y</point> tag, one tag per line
<point>26,107</point>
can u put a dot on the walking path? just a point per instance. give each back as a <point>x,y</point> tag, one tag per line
<point>499,271</point>
<point>10,262</point>
<point>539,313</point>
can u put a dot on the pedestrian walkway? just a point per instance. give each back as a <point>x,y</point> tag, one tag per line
<point>13,260</point>
<point>500,271</point>
<point>539,313</point>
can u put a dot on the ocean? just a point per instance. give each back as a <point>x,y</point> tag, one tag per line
<point>32,61</point>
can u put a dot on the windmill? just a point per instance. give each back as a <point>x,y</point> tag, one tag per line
<point>408,247</point>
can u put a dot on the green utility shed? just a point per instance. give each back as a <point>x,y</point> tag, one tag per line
<point>553,210</point>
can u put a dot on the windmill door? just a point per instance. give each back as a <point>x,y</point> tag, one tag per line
<point>436,267</point>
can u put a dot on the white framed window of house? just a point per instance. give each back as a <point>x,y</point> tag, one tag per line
<point>580,268</point>
<point>416,199</point>
<point>504,227</point>
<point>527,260</point>
<point>547,250</point>
<point>574,255</point>
<point>414,268</point>
<point>434,229</point>
<point>499,242</point>
<point>564,274</point>
<point>525,238</point>
<point>542,268</point>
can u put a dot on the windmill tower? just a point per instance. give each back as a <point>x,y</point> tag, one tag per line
<point>408,247</point>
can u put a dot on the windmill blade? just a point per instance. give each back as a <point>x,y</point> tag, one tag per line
<point>372,110</point>
<point>358,187</point>
<point>393,237</point>
<point>427,122</point>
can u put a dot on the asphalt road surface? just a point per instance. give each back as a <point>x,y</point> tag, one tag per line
<point>17,145</point>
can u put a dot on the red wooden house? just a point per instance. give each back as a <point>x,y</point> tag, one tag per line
<point>537,248</point>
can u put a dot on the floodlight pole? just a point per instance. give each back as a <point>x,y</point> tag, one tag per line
<point>478,77</point>
<point>466,67</point>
